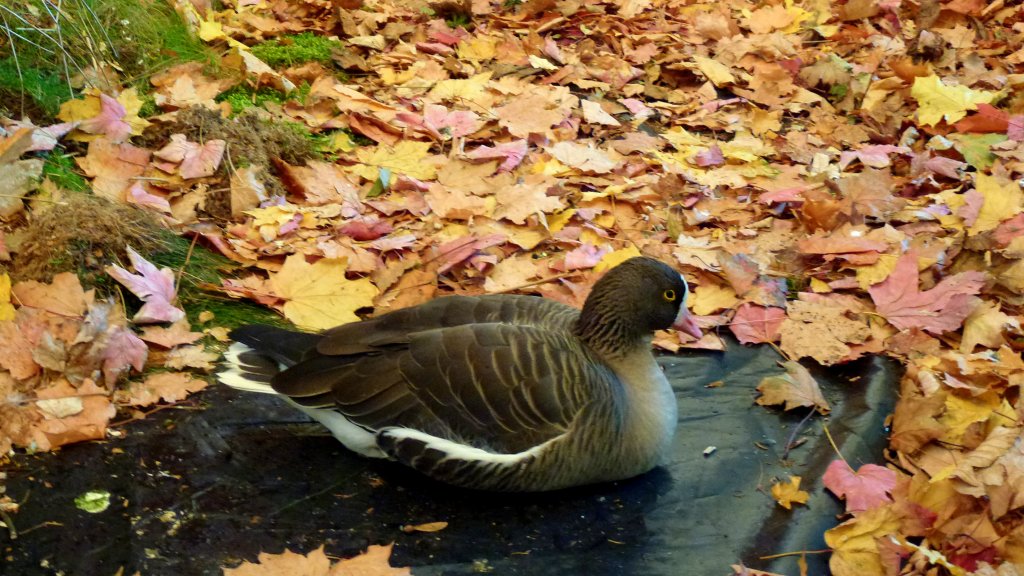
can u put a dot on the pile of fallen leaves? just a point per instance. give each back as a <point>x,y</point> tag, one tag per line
<point>835,179</point>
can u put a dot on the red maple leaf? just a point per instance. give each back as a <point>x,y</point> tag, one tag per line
<point>941,309</point>
<point>864,489</point>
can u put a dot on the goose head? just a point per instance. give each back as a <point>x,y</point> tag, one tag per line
<point>630,302</point>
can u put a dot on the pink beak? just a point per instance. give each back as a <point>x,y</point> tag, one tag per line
<point>686,323</point>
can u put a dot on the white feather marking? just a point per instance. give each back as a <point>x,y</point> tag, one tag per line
<point>354,437</point>
<point>454,450</point>
<point>235,376</point>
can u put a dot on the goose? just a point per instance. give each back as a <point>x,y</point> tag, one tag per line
<point>495,392</point>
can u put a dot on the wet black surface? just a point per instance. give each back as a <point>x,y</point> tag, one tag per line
<point>197,489</point>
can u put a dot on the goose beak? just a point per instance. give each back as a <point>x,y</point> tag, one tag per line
<point>686,323</point>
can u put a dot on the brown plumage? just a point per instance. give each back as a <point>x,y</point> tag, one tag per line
<point>494,392</point>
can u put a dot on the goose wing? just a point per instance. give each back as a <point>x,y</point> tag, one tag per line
<point>500,387</point>
<point>397,327</point>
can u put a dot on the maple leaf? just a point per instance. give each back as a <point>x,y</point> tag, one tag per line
<point>190,357</point>
<point>63,296</point>
<point>155,287</point>
<point>595,114</point>
<point>73,424</point>
<point>138,196</point>
<point>6,308</point>
<point>319,296</point>
<point>373,562</point>
<point>788,493</point>
<point>712,298</point>
<point>937,101</point>
<point>406,157</point>
<point>123,350</point>
<point>941,309</point>
<point>510,153</point>
<point>1003,199</point>
<point>866,488</point>
<point>109,121</point>
<point>755,324</point>
<point>820,330</point>
<point>583,157</point>
<point>796,388</point>
<point>854,543</point>
<point>113,167</point>
<point>521,200</point>
<point>99,115</point>
<point>166,386</point>
<point>194,160</point>
<point>985,326</point>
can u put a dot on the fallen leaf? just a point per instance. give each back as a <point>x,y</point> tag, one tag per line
<point>155,287</point>
<point>789,493</point>
<point>941,309</point>
<point>937,101</point>
<point>194,160</point>
<point>64,296</point>
<point>190,357</point>
<point>6,308</point>
<point>124,350</point>
<point>373,562</point>
<point>868,487</point>
<point>854,543</point>
<point>755,324</point>
<point>165,386</point>
<point>406,157</point>
<point>427,527</point>
<point>177,333</point>
<point>794,389</point>
<point>318,296</point>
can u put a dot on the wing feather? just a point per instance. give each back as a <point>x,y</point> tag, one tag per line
<point>499,386</point>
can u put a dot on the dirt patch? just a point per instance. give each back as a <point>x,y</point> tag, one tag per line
<point>251,141</point>
<point>84,234</point>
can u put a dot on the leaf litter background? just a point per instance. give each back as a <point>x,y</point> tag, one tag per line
<point>834,179</point>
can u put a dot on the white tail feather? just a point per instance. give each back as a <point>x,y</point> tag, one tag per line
<point>354,437</point>
<point>235,376</point>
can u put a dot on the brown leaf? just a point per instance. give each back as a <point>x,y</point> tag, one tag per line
<point>64,296</point>
<point>796,388</point>
<point>166,386</point>
<point>427,527</point>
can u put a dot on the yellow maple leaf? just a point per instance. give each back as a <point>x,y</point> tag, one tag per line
<point>482,48</point>
<point>89,106</point>
<point>470,89</point>
<point>961,412</point>
<point>786,493</point>
<point>1003,199</point>
<point>613,259</point>
<point>6,308</point>
<point>854,543</point>
<point>712,298</point>
<point>875,273</point>
<point>718,73</point>
<point>558,220</point>
<point>407,157</point>
<point>936,101</point>
<point>318,296</point>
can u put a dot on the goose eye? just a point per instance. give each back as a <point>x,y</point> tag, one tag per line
<point>669,295</point>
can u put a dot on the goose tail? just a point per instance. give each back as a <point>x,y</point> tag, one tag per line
<point>259,353</point>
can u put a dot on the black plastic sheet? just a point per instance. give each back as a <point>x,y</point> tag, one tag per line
<point>193,490</point>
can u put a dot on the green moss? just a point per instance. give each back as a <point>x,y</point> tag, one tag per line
<point>297,49</point>
<point>61,169</point>
<point>243,97</point>
<point>200,269</point>
<point>149,107</point>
